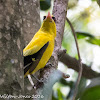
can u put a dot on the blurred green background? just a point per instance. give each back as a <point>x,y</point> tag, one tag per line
<point>85,18</point>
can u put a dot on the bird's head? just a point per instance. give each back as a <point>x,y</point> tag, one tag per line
<point>49,24</point>
<point>49,18</point>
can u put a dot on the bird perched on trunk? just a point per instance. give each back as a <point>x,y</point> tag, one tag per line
<point>39,50</point>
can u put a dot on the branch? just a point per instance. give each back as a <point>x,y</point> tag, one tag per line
<point>71,62</point>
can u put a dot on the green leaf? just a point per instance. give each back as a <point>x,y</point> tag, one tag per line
<point>60,95</point>
<point>94,0</point>
<point>94,41</point>
<point>45,4</point>
<point>81,35</point>
<point>92,92</point>
<point>91,39</point>
<point>98,2</point>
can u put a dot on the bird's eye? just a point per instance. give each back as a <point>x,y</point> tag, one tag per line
<point>44,17</point>
<point>54,19</point>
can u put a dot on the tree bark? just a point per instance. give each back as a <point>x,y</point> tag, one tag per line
<point>11,44</point>
<point>31,19</point>
<point>71,62</point>
<point>31,24</point>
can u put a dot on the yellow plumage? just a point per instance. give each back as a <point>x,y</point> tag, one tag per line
<point>42,44</point>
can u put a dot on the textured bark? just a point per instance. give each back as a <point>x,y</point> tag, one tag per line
<point>19,21</point>
<point>31,24</point>
<point>73,63</point>
<point>11,44</point>
<point>59,11</point>
<point>31,19</point>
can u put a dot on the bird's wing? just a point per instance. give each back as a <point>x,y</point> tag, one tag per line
<point>33,53</point>
<point>31,61</point>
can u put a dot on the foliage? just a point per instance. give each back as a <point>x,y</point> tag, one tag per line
<point>91,39</point>
<point>45,4</point>
<point>98,2</point>
<point>94,41</point>
<point>81,35</point>
<point>92,92</point>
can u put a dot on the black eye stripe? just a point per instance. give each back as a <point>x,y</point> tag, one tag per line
<point>54,19</point>
<point>44,17</point>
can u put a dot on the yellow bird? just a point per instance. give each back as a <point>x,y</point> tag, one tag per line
<point>39,50</point>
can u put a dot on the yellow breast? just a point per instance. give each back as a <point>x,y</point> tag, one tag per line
<point>46,56</point>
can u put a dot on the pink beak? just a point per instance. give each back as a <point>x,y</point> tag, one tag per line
<point>49,16</point>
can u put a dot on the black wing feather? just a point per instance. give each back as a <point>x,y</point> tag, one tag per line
<point>31,65</point>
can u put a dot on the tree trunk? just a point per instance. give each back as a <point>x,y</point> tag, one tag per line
<point>19,21</point>
<point>11,45</point>
<point>31,19</point>
<point>31,24</point>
